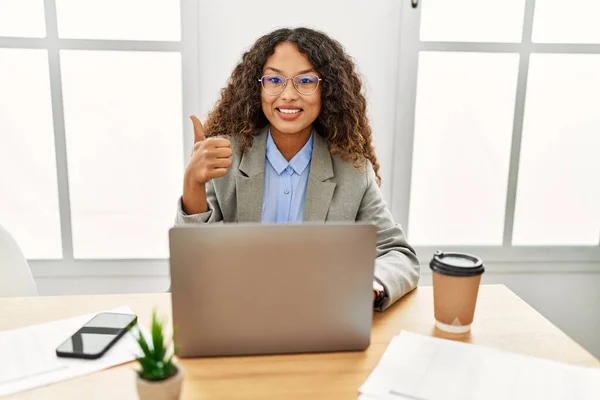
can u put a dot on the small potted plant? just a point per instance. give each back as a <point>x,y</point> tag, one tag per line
<point>159,378</point>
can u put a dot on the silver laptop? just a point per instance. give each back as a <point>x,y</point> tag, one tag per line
<point>242,289</point>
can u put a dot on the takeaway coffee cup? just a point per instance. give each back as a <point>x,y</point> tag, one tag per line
<point>456,278</point>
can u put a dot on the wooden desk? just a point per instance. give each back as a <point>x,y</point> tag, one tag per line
<point>502,320</point>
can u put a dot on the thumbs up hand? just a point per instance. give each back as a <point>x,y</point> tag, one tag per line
<point>211,157</point>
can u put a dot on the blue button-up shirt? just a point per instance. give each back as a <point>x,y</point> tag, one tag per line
<point>285,184</point>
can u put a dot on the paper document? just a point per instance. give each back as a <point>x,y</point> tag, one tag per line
<point>421,367</point>
<point>29,354</point>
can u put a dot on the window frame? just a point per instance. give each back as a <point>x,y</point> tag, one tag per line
<point>188,48</point>
<point>550,258</point>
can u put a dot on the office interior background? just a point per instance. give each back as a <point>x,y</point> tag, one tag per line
<point>484,113</point>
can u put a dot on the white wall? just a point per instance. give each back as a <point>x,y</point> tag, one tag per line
<point>569,300</point>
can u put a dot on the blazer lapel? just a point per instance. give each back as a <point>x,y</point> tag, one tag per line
<point>319,192</point>
<point>250,182</point>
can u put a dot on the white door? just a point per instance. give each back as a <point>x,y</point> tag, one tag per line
<point>499,130</point>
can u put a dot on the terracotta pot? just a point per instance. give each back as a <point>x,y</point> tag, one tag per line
<point>169,389</point>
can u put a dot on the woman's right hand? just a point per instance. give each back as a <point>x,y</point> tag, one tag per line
<point>211,156</point>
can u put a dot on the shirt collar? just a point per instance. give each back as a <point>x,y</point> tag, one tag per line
<point>298,163</point>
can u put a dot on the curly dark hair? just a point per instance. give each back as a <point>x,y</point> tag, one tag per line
<point>343,118</point>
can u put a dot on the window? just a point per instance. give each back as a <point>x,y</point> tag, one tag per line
<point>92,137</point>
<point>29,203</point>
<point>498,139</point>
<point>558,192</point>
<point>462,147</point>
<point>123,124</point>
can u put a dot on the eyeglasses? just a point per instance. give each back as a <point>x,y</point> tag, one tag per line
<point>304,84</point>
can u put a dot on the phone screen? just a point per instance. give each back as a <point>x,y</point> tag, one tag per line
<point>97,335</point>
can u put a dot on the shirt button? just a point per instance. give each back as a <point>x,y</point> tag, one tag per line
<point>286,191</point>
<point>289,169</point>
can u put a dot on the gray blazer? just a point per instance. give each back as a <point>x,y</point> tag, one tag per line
<point>336,191</point>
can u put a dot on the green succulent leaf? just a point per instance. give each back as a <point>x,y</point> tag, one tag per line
<point>155,364</point>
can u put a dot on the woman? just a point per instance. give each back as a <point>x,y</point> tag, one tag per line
<point>276,152</point>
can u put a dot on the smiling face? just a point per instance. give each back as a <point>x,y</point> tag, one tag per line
<point>289,112</point>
